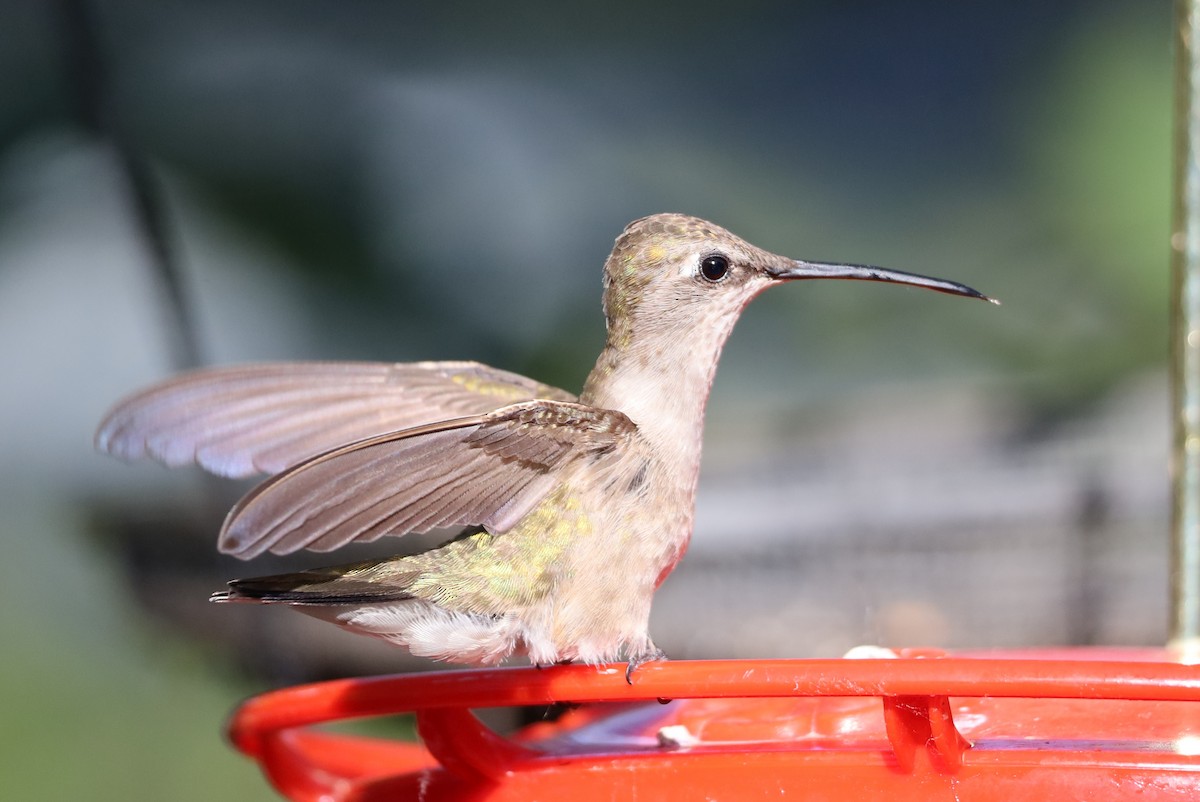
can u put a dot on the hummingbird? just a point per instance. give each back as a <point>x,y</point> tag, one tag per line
<point>575,508</point>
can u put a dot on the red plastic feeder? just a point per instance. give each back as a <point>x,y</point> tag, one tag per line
<point>1069,724</point>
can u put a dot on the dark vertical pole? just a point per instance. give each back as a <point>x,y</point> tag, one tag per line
<point>90,87</point>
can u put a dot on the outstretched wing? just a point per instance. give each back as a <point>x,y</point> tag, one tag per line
<point>242,420</point>
<point>487,470</point>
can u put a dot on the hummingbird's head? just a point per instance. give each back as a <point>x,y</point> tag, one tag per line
<point>680,271</point>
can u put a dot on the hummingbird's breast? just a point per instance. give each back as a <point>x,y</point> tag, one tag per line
<point>665,395</point>
<point>628,523</point>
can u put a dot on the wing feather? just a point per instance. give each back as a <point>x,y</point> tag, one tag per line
<point>484,470</point>
<point>342,500</point>
<point>246,419</point>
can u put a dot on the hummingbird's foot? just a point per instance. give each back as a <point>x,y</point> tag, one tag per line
<point>636,660</point>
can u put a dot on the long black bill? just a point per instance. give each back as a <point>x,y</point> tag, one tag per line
<point>797,270</point>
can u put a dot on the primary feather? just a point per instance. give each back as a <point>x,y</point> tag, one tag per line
<point>252,419</point>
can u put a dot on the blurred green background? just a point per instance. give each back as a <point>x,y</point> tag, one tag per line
<point>361,180</point>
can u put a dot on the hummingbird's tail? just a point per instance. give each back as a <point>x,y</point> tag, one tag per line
<point>372,599</point>
<point>339,585</point>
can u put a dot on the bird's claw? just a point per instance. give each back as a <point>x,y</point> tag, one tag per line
<point>636,661</point>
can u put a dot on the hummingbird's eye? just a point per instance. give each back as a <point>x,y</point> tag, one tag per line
<point>714,268</point>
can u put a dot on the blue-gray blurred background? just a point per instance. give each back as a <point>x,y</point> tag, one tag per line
<point>367,180</point>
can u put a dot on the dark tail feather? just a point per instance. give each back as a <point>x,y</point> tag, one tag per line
<point>347,584</point>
